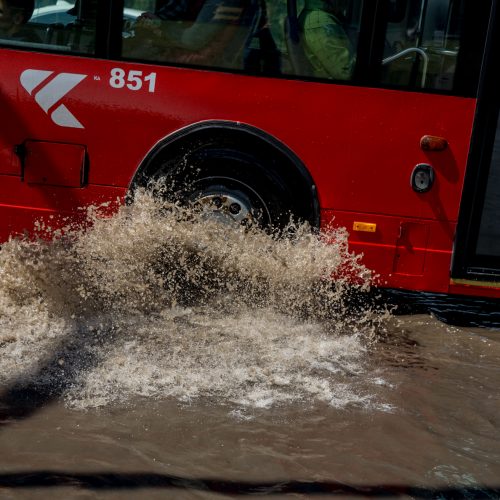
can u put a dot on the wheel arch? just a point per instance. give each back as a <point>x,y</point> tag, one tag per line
<point>247,138</point>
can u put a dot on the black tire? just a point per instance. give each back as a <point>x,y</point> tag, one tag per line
<point>233,185</point>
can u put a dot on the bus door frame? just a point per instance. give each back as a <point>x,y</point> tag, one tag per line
<point>466,263</point>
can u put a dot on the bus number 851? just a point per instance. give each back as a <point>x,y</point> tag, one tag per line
<point>133,81</point>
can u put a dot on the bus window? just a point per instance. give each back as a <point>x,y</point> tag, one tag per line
<point>14,26</point>
<point>63,26</point>
<point>322,37</point>
<point>254,38</point>
<point>329,37</point>
<point>421,49</point>
<point>215,33</point>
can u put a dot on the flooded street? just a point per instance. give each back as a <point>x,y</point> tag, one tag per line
<point>159,356</point>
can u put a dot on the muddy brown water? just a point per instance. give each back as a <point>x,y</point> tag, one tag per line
<point>158,356</point>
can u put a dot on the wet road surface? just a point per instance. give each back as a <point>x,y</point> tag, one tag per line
<point>263,380</point>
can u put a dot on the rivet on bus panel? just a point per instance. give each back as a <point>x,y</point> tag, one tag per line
<point>366,227</point>
<point>433,143</point>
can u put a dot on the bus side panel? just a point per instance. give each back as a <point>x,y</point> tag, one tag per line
<point>399,249</point>
<point>359,144</point>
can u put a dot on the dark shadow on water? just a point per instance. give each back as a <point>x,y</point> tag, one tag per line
<point>85,348</point>
<point>451,309</point>
<point>132,481</point>
<point>69,360</point>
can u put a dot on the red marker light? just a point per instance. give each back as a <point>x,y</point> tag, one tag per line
<point>433,143</point>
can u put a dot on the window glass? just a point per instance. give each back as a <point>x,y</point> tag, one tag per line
<point>322,38</point>
<point>422,46</point>
<point>488,243</point>
<point>302,38</point>
<point>66,26</point>
<point>217,33</point>
<point>257,36</point>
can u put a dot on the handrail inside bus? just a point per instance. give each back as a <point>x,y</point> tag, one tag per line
<point>425,57</point>
<point>442,52</point>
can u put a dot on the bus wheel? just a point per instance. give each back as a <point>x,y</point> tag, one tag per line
<point>230,201</point>
<point>233,187</point>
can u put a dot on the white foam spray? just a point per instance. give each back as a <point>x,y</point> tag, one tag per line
<point>160,301</point>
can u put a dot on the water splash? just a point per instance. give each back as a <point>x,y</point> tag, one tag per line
<point>160,301</point>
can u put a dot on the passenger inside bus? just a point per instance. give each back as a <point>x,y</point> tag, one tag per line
<point>14,14</point>
<point>210,32</point>
<point>326,43</point>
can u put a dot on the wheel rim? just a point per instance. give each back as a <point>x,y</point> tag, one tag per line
<point>229,201</point>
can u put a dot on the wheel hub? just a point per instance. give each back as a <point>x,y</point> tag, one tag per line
<point>228,207</point>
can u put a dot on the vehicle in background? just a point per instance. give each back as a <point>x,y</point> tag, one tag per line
<point>60,14</point>
<point>54,14</point>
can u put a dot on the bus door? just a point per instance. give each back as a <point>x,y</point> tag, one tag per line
<point>477,246</point>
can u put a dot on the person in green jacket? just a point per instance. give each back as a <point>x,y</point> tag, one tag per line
<point>326,44</point>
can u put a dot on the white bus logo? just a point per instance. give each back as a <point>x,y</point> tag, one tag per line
<point>51,93</point>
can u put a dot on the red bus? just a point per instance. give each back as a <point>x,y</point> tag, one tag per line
<point>236,103</point>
